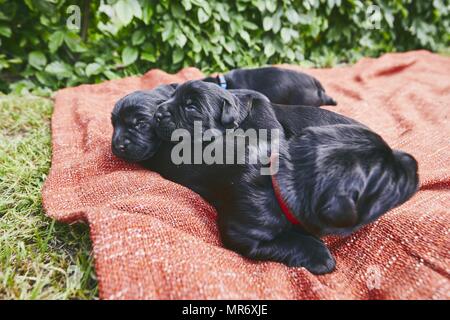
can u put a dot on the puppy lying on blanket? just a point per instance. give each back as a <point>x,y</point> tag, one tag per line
<point>134,137</point>
<point>281,86</point>
<point>334,176</point>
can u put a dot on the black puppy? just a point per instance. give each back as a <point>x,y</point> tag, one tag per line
<point>134,137</point>
<point>281,86</point>
<point>333,178</point>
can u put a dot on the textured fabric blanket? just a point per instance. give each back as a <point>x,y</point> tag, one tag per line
<point>154,239</point>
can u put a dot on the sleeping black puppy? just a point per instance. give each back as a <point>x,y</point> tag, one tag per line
<point>281,86</point>
<point>332,180</point>
<point>134,137</point>
<point>334,176</point>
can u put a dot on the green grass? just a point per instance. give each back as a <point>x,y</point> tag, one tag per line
<point>39,258</point>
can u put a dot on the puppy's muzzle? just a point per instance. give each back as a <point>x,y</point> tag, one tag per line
<point>121,145</point>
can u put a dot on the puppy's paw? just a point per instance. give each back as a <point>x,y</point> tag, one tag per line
<point>320,265</point>
<point>314,256</point>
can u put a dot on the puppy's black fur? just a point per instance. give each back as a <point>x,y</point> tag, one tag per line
<point>335,175</point>
<point>334,179</point>
<point>226,110</point>
<point>281,86</point>
<point>134,137</point>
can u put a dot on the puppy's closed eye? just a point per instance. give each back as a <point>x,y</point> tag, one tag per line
<point>189,105</point>
<point>141,124</point>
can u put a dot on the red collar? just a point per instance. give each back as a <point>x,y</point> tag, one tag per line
<point>283,205</point>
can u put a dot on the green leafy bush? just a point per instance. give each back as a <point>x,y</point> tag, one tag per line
<point>39,52</point>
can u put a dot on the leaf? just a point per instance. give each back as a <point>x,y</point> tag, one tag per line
<point>260,4</point>
<point>177,55</point>
<point>277,22</point>
<point>313,3</point>
<point>93,69</point>
<point>59,69</point>
<point>177,11</point>
<point>292,16</point>
<point>80,68</point>
<point>285,35</point>
<point>290,54</point>
<point>204,4</point>
<point>225,16</point>
<point>181,39</point>
<point>305,19</point>
<point>267,23</point>
<point>22,87</point>
<point>55,41</point>
<point>250,25</point>
<point>73,41</point>
<point>5,17</point>
<point>167,31</point>
<point>229,60</point>
<point>5,31</point>
<point>37,59</point>
<point>43,78</point>
<point>110,75</point>
<point>124,11</point>
<point>138,37</point>
<point>196,47</point>
<point>441,7</point>
<point>147,12</point>
<point>129,55</point>
<point>271,5</point>
<point>148,56</point>
<point>202,16</point>
<point>389,17</point>
<point>269,50</point>
<point>186,4</point>
<point>136,8</point>
<point>244,35</point>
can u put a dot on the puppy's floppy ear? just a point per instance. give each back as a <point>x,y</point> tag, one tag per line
<point>408,181</point>
<point>407,161</point>
<point>230,113</point>
<point>231,109</point>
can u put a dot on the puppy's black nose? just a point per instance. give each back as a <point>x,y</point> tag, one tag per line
<point>124,145</point>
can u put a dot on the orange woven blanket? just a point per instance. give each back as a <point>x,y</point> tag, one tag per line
<point>154,239</point>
